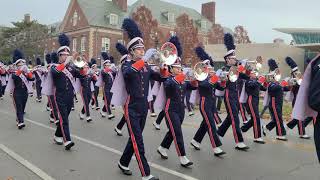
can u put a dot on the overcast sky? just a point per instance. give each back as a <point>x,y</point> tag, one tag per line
<point>258,16</point>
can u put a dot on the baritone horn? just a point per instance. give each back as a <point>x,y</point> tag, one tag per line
<point>79,62</point>
<point>200,71</point>
<point>166,55</point>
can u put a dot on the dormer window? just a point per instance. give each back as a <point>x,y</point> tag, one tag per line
<point>75,18</point>
<point>203,24</point>
<point>113,19</point>
<point>171,17</point>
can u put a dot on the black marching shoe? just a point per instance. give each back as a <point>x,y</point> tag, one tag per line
<point>125,170</point>
<point>68,145</point>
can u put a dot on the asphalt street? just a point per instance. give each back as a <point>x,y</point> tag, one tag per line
<point>31,154</point>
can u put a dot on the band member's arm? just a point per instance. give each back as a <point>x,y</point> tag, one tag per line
<point>29,76</point>
<point>128,69</point>
<point>57,70</point>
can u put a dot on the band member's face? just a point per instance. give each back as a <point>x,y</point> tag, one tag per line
<point>19,65</point>
<point>138,53</point>
<point>253,75</point>
<point>62,58</point>
<point>107,65</point>
<point>231,61</point>
<point>176,70</point>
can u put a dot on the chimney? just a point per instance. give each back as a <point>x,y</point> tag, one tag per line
<point>122,4</point>
<point>27,18</point>
<point>209,11</point>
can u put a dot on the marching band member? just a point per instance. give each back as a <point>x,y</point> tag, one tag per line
<point>206,87</point>
<point>107,75</point>
<point>252,89</point>
<point>124,53</point>
<point>63,76</point>
<point>175,90</point>
<point>38,75</point>
<point>96,73</point>
<point>275,93</point>
<point>296,75</point>
<point>242,106</point>
<point>19,84</point>
<point>136,75</point>
<point>86,80</point>
<point>231,95</point>
<point>51,106</point>
<point>307,103</point>
<point>3,83</point>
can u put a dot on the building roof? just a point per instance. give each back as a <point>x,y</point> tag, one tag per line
<point>160,8</point>
<point>297,30</point>
<point>314,47</point>
<point>96,12</point>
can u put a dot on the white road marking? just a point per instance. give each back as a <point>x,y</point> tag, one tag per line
<point>26,163</point>
<point>96,144</point>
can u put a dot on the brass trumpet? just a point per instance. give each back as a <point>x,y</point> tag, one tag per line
<point>79,62</point>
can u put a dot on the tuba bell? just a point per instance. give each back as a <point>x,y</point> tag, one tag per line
<point>79,62</point>
<point>200,71</point>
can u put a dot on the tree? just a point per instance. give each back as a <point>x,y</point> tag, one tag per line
<point>152,36</point>
<point>241,35</point>
<point>216,34</point>
<point>24,35</point>
<point>188,35</point>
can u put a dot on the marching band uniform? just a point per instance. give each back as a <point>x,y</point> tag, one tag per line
<point>52,59</point>
<point>242,106</point>
<point>307,102</point>
<point>275,91</point>
<point>175,90</point>
<point>37,75</point>
<point>86,80</point>
<point>136,76</point>
<point>3,82</point>
<point>188,104</point>
<point>294,90</point>
<point>94,101</point>
<point>108,76</point>
<point>252,88</point>
<point>206,88</point>
<point>231,98</point>
<point>63,81</point>
<point>124,53</point>
<point>21,86</point>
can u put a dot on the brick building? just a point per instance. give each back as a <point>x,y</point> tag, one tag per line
<point>95,25</point>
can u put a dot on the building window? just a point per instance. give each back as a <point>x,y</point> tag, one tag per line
<point>75,18</point>
<point>105,45</point>
<point>203,24</point>
<point>113,19</point>
<point>74,44</point>
<point>83,44</point>
<point>171,17</point>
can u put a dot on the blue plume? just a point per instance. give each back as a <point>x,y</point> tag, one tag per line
<point>104,56</point>
<point>93,61</point>
<point>272,64</point>
<point>54,58</point>
<point>175,40</point>
<point>201,53</point>
<point>17,54</point>
<point>291,62</point>
<point>64,40</point>
<point>121,49</point>
<point>48,58</point>
<point>131,28</point>
<point>111,59</point>
<point>38,61</point>
<point>229,42</point>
